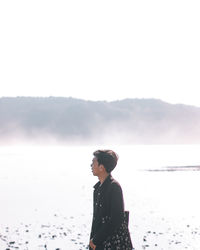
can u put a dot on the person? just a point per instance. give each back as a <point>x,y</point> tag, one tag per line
<point>109,227</point>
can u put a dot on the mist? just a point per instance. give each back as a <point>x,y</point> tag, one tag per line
<point>58,120</point>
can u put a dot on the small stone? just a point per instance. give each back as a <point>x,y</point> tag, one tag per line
<point>12,242</point>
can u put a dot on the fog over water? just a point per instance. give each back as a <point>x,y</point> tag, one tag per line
<point>70,121</point>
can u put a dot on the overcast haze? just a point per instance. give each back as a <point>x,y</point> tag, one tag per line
<point>101,50</point>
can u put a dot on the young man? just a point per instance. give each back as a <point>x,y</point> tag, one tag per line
<point>109,227</point>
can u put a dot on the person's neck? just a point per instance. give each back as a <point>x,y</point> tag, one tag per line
<point>103,177</point>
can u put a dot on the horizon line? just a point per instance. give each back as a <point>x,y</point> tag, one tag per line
<point>101,100</point>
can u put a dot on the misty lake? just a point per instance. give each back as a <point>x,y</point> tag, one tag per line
<point>46,196</point>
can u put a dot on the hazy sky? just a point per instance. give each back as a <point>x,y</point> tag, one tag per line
<point>101,50</point>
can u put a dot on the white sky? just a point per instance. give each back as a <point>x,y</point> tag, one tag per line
<point>101,50</point>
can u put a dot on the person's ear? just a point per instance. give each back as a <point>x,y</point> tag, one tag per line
<point>101,168</point>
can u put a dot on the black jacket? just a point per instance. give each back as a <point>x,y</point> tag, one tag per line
<point>108,210</point>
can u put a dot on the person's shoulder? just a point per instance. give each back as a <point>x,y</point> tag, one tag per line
<point>114,183</point>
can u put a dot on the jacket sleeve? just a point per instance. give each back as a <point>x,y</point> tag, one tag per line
<point>116,215</point>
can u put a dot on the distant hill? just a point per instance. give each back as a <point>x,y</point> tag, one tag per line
<point>69,120</point>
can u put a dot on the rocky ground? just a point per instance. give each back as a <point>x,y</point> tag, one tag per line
<point>66,233</point>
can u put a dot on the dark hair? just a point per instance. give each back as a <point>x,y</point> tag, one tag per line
<point>107,158</point>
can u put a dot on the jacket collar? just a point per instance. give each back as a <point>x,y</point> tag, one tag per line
<point>108,179</point>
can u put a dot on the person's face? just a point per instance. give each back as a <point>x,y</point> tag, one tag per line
<point>96,168</point>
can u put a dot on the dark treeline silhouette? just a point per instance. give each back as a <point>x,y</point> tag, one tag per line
<point>73,120</point>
